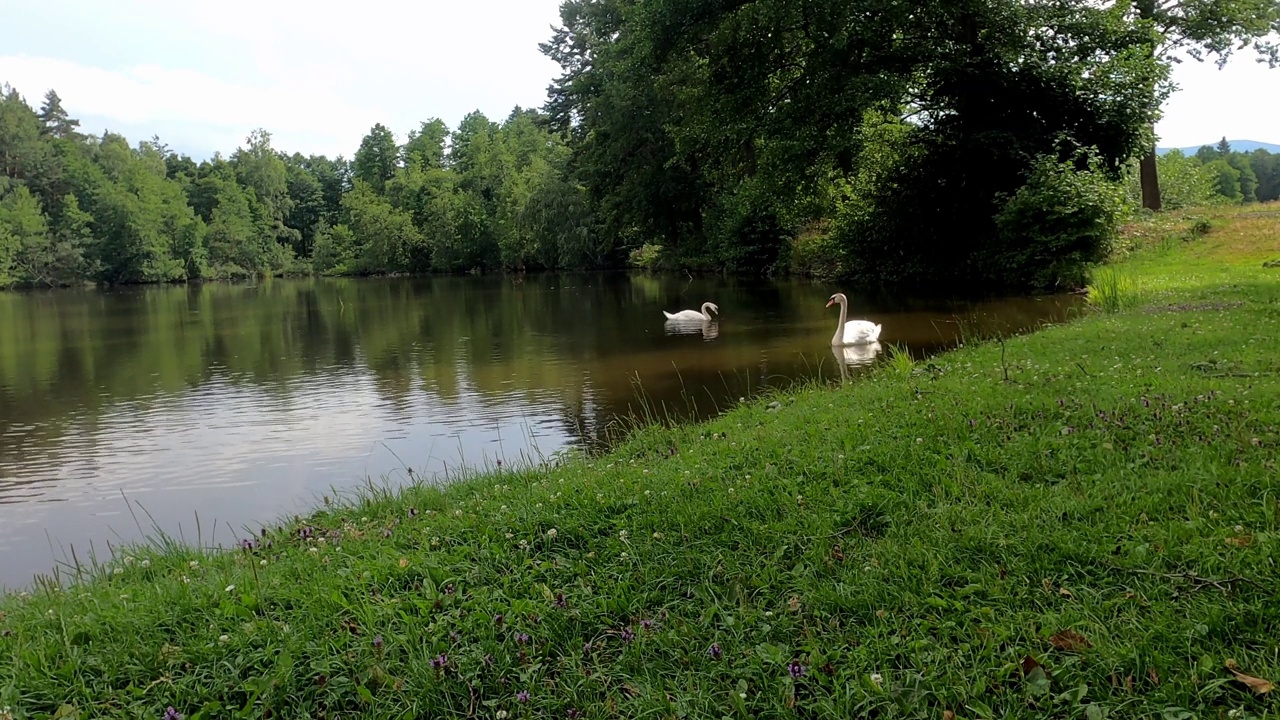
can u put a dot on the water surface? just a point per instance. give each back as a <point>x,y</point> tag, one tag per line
<point>246,402</point>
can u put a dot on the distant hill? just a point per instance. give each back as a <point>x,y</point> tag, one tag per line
<point>1240,145</point>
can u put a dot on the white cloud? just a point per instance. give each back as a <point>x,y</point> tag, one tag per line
<point>1241,102</point>
<point>316,76</point>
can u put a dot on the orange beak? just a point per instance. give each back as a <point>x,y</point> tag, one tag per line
<point>830,303</point>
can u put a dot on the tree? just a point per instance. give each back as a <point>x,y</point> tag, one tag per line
<point>1207,154</point>
<point>1226,180</point>
<point>376,161</point>
<point>1248,179</point>
<point>260,169</point>
<point>1266,166</point>
<point>56,121</point>
<point>1200,29</point>
<point>426,145</point>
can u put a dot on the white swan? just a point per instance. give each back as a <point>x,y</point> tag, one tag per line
<point>854,332</point>
<point>693,314</point>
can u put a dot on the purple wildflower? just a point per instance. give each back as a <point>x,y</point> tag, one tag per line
<point>455,636</point>
<point>498,619</point>
<point>440,662</point>
<point>171,714</point>
<point>305,533</point>
<point>586,648</point>
<point>627,635</point>
<point>523,696</point>
<point>573,713</point>
<point>377,642</point>
<point>560,601</point>
<point>247,544</point>
<point>796,669</point>
<point>646,624</point>
<point>715,651</point>
<point>522,638</point>
<point>449,589</point>
<point>264,532</point>
<point>413,512</point>
<point>488,660</point>
<point>386,533</point>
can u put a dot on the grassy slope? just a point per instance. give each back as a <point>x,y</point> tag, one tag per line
<point>910,541</point>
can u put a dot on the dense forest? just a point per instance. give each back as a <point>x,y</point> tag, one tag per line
<point>979,142</point>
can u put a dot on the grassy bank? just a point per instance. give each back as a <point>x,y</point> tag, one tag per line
<point>1076,523</point>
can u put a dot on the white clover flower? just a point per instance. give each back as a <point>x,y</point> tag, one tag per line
<point>551,533</point>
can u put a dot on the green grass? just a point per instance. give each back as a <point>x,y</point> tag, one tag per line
<point>1078,523</point>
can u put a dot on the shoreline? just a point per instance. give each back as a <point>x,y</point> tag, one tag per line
<point>1080,516</point>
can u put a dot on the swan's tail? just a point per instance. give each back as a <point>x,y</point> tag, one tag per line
<point>669,315</point>
<point>875,335</point>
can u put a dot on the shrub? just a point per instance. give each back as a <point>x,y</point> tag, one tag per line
<point>646,256</point>
<point>1062,221</point>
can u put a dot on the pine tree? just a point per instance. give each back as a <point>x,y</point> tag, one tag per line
<point>56,120</point>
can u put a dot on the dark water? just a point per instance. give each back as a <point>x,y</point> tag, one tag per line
<point>243,403</point>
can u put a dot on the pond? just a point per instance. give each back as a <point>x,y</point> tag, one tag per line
<point>236,404</point>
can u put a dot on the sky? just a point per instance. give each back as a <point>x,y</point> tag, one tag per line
<point>317,76</point>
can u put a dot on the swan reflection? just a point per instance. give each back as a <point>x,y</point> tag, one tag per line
<point>855,356</point>
<point>709,330</point>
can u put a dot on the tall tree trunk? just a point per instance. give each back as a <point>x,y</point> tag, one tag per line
<point>1147,167</point>
<point>1150,181</point>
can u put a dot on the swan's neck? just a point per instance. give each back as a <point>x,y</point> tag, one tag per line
<point>705,314</point>
<point>838,338</point>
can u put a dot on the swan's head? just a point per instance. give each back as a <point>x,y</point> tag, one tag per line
<point>837,298</point>
<point>713,307</point>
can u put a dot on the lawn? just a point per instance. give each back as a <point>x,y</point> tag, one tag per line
<point>1077,523</point>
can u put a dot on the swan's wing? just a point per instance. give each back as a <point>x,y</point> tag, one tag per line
<point>860,331</point>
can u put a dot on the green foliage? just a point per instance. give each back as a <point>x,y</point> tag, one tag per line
<point>1226,180</point>
<point>646,257</point>
<point>721,131</point>
<point>1057,225</point>
<point>376,161</point>
<point>1184,182</point>
<point>387,240</point>
<point>335,250</point>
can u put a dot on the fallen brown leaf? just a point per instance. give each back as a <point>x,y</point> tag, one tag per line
<point>1070,641</point>
<point>630,689</point>
<point>837,553</point>
<point>1258,685</point>
<point>881,614</point>
<point>1240,541</point>
<point>794,603</point>
<point>1155,676</point>
<point>1028,664</point>
<point>948,715</point>
<point>1065,593</point>
<point>404,562</point>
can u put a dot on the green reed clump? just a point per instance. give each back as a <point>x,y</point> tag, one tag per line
<point>1112,290</point>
